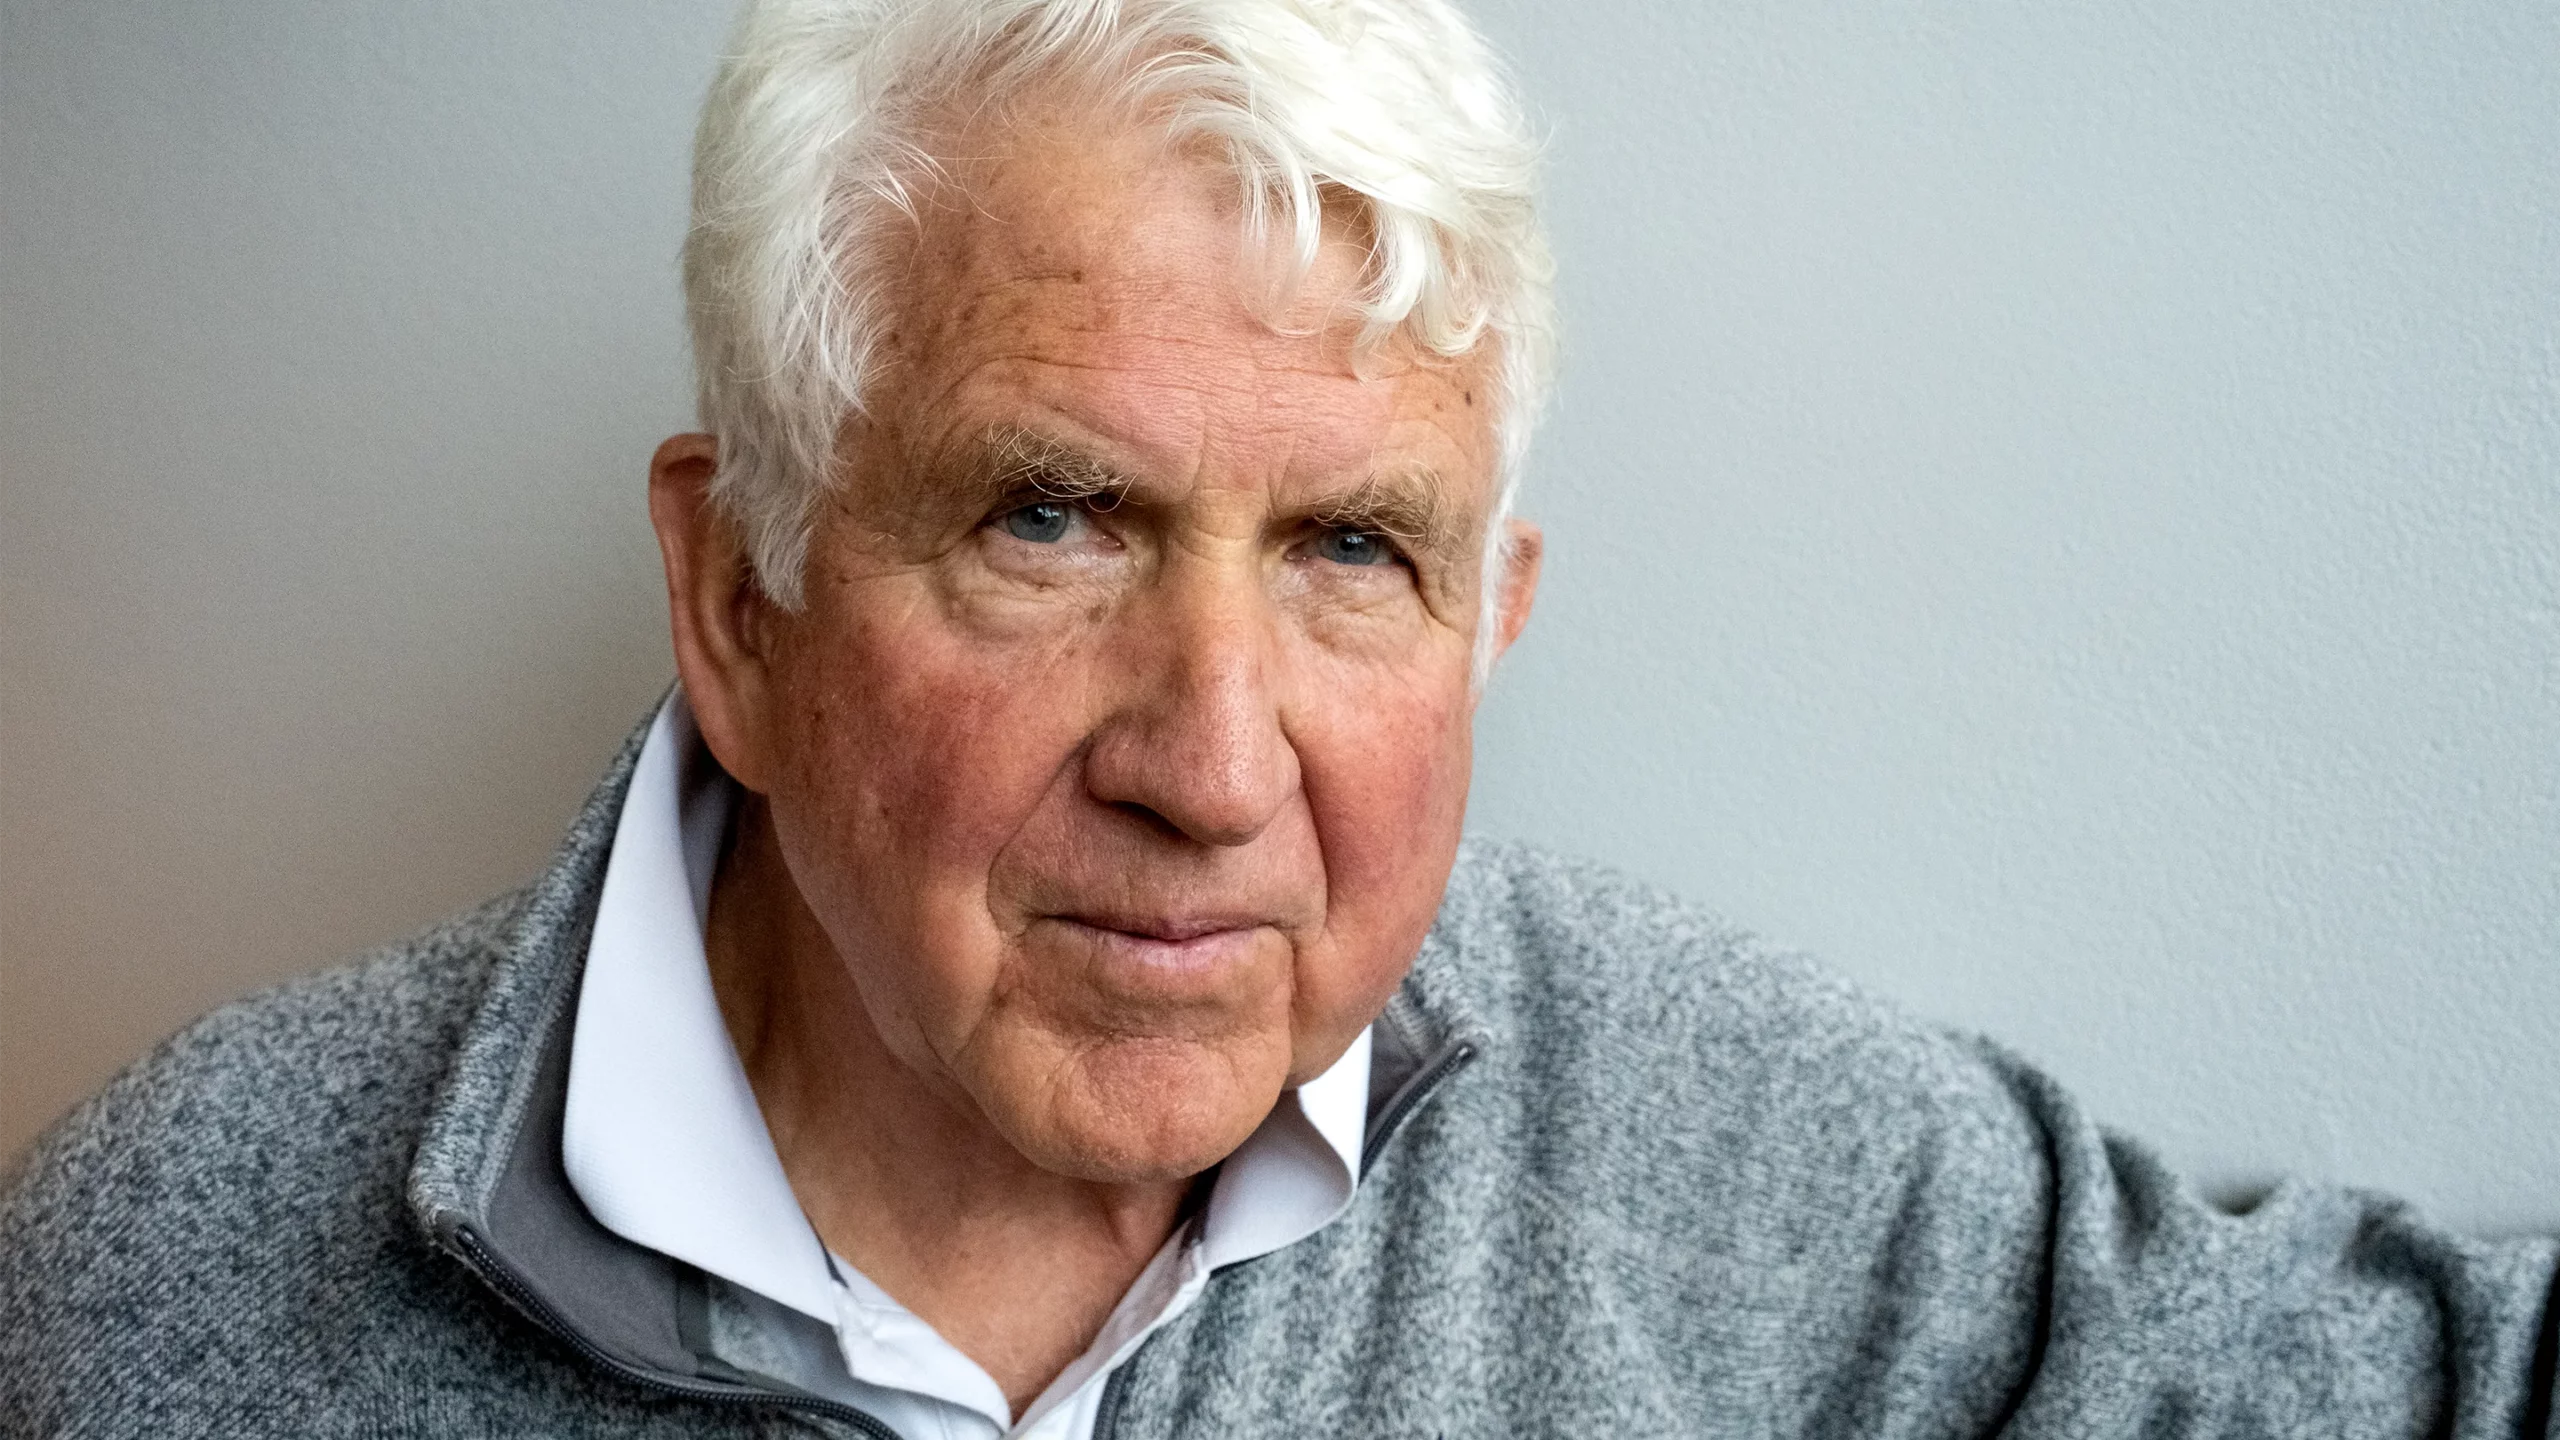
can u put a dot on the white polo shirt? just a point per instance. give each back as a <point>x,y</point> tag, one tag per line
<point>664,1143</point>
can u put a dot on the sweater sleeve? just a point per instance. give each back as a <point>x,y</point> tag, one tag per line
<point>2319,1312</point>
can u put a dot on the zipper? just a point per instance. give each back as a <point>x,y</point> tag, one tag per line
<point>494,1272</point>
<point>1115,1389</point>
<point>1416,1090</point>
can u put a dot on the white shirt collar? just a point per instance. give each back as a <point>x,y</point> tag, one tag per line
<point>662,1138</point>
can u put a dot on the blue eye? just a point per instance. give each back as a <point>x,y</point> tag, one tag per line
<point>1042,522</point>
<point>1355,547</point>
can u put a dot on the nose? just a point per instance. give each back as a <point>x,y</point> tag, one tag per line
<point>1195,739</point>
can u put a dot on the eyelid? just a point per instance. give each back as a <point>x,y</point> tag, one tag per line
<point>1026,498</point>
<point>1397,550</point>
<point>1093,535</point>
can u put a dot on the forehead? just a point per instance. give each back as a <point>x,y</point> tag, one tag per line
<point>1092,283</point>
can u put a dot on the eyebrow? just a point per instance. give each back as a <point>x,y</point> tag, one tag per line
<point>1012,460</point>
<point>1406,505</point>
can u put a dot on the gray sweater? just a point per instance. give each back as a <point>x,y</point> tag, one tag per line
<point>1627,1176</point>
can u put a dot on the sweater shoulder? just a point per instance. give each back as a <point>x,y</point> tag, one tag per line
<point>1554,946</point>
<point>1624,1000</point>
<point>286,1069</point>
<point>259,1151</point>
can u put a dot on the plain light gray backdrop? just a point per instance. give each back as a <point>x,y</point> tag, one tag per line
<point>2053,507</point>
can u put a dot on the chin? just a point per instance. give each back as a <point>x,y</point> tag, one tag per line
<point>1147,1111</point>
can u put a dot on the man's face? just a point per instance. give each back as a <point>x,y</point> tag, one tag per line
<point>1121,747</point>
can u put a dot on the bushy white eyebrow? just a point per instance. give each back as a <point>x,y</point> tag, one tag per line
<point>1017,459</point>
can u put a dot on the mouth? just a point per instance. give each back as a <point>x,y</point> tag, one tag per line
<point>1155,952</point>
<point>1170,930</point>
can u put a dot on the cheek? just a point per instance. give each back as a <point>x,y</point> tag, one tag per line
<point>1386,782</point>
<point>912,758</point>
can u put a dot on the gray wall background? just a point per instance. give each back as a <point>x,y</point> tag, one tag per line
<point>2054,507</point>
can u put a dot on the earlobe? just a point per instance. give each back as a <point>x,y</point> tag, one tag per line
<point>714,608</point>
<point>1523,552</point>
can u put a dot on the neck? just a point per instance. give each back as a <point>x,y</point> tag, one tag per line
<point>1016,1266</point>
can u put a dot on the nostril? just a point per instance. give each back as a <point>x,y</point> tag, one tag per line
<point>1153,818</point>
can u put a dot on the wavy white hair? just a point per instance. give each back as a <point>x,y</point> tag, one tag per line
<point>814,141</point>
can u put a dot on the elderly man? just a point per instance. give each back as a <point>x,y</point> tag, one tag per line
<point>1026,978</point>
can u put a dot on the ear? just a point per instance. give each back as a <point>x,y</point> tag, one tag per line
<point>1524,549</point>
<point>724,626</point>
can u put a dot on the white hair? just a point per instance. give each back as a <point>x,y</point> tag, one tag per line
<point>815,137</point>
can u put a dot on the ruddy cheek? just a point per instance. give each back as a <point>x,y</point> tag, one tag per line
<point>958,730</point>
<point>1388,797</point>
<point>906,779</point>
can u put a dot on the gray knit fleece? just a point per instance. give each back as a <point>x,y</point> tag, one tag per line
<point>1632,1177</point>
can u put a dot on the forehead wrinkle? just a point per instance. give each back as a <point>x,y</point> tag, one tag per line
<point>1266,352</point>
<point>1103,294</point>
